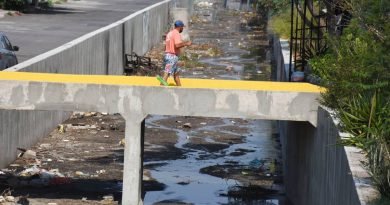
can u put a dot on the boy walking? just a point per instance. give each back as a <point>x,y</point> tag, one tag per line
<point>173,43</point>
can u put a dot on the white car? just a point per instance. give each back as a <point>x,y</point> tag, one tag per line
<point>7,55</point>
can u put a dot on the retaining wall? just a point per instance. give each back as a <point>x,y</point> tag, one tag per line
<point>98,52</point>
<point>317,171</point>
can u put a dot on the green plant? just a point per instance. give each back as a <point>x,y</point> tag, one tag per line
<point>17,5</point>
<point>355,71</point>
<point>367,118</point>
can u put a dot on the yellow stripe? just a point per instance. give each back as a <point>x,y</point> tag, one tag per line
<point>152,81</point>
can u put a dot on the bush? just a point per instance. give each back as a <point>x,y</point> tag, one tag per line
<point>356,73</point>
<point>17,5</point>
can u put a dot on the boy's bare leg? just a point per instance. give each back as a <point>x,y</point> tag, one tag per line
<point>177,79</point>
<point>165,77</point>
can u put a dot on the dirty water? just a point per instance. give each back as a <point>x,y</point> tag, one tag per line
<point>215,170</point>
<point>187,160</point>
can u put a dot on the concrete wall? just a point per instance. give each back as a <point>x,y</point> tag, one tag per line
<point>98,52</point>
<point>102,51</point>
<point>317,171</point>
<point>23,129</point>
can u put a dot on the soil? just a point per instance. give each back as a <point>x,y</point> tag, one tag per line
<point>88,148</point>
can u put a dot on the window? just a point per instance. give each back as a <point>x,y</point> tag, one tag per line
<point>8,44</point>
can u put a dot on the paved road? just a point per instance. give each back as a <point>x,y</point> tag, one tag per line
<point>38,33</point>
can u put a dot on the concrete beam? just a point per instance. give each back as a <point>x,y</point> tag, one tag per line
<point>143,96</point>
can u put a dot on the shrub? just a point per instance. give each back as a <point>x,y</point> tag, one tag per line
<point>17,5</point>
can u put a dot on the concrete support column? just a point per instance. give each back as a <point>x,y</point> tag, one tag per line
<point>132,173</point>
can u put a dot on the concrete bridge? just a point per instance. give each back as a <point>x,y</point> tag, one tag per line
<point>136,97</point>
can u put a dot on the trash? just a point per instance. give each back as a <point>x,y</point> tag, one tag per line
<point>106,136</point>
<point>187,125</point>
<point>204,4</point>
<point>81,174</point>
<point>65,140</point>
<point>10,198</point>
<point>84,199</point>
<point>90,114</point>
<point>184,182</point>
<point>30,171</point>
<point>2,173</point>
<point>2,199</point>
<point>256,163</point>
<point>61,128</point>
<point>108,200</point>
<point>101,171</point>
<point>46,146</point>
<point>229,68</point>
<point>244,173</point>
<point>122,142</point>
<point>233,122</point>
<point>27,154</point>
<point>104,113</point>
<point>23,200</point>
<point>51,203</point>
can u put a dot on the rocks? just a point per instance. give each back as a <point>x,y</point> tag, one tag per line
<point>29,154</point>
<point>187,125</point>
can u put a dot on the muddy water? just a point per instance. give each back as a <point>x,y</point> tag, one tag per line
<point>245,57</point>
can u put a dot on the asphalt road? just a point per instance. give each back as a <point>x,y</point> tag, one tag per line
<point>41,32</point>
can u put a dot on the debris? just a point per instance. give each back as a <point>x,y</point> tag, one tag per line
<point>65,140</point>
<point>51,203</point>
<point>122,142</point>
<point>81,174</point>
<point>84,199</point>
<point>23,200</point>
<point>108,200</point>
<point>256,163</point>
<point>184,182</point>
<point>10,198</point>
<point>187,125</point>
<point>2,199</point>
<point>203,123</point>
<point>45,145</point>
<point>90,114</point>
<point>229,68</point>
<point>106,136</point>
<point>61,128</point>
<point>28,154</point>
<point>101,171</point>
<point>104,113</point>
